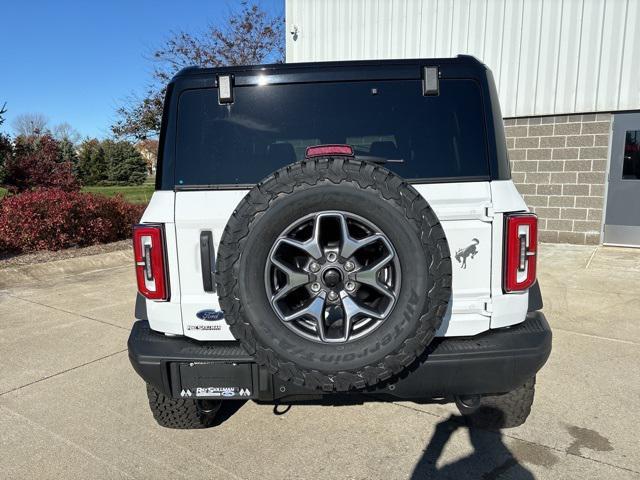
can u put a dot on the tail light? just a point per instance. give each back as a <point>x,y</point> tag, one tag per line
<point>521,248</point>
<point>328,150</point>
<point>151,272</point>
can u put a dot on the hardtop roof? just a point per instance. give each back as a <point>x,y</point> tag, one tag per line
<point>459,64</point>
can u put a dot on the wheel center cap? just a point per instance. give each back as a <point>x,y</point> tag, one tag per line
<point>332,277</point>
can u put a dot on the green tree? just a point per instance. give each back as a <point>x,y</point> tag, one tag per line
<point>68,153</point>
<point>68,138</point>
<point>92,167</point>
<point>125,164</point>
<point>249,35</point>
<point>6,148</point>
<point>6,151</point>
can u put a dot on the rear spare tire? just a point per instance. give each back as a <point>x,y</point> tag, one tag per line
<point>334,273</point>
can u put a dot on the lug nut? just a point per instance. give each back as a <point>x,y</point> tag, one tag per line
<point>315,287</point>
<point>349,265</point>
<point>331,256</point>
<point>350,286</point>
<point>314,267</point>
<point>333,295</point>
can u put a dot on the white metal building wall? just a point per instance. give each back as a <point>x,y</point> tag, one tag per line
<point>547,56</point>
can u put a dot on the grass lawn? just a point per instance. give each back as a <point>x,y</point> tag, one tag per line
<point>134,194</point>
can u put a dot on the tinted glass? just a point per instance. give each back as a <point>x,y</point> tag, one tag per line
<point>270,126</point>
<point>631,165</point>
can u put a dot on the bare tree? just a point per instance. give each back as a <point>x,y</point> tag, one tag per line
<point>64,131</point>
<point>3,110</point>
<point>30,124</point>
<point>249,35</point>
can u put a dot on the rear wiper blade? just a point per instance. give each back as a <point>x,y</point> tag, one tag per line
<point>379,160</point>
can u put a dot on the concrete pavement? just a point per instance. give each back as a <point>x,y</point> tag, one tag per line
<point>72,407</point>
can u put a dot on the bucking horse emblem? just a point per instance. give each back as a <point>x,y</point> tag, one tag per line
<point>466,252</point>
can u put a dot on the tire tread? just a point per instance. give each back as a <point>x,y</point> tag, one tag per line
<point>365,176</point>
<point>176,413</point>
<point>505,411</point>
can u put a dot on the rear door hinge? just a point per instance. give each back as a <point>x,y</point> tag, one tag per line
<point>481,306</point>
<point>489,213</point>
<point>482,211</point>
<point>487,311</point>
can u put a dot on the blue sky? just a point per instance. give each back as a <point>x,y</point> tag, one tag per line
<point>76,61</point>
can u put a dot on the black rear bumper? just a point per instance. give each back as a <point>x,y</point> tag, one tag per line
<point>492,362</point>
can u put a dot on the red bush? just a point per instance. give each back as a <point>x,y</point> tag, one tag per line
<point>37,162</point>
<point>55,219</point>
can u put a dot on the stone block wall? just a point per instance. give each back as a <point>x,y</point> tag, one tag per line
<point>558,164</point>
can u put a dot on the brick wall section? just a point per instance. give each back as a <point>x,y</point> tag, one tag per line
<point>558,164</point>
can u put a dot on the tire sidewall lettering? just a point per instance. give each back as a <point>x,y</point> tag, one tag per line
<point>373,193</point>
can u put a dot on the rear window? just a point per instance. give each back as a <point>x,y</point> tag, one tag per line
<point>268,127</point>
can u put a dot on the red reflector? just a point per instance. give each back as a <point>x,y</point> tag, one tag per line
<point>521,244</point>
<point>148,250</point>
<point>327,150</point>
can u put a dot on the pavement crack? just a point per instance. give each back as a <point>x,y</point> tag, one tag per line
<point>408,407</point>
<point>529,442</point>
<point>57,280</point>
<point>593,254</point>
<point>65,311</point>
<point>62,372</point>
<point>228,473</point>
<point>597,337</point>
<point>67,441</point>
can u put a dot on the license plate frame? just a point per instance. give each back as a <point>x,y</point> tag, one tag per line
<point>215,380</point>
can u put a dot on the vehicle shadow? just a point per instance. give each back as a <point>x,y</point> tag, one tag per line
<point>227,410</point>
<point>490,460</point>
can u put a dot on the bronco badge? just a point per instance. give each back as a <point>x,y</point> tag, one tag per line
<point>464,253</point>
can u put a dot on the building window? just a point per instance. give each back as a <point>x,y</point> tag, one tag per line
<point>631,166</point>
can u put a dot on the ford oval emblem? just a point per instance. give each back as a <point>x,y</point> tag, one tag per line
<point>228,393</point>
<point>210,315</point>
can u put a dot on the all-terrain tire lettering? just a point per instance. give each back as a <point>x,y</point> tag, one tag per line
<point>366,177</point>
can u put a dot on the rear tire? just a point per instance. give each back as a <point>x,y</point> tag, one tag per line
<point>181,413</point>
<point>503,411</point>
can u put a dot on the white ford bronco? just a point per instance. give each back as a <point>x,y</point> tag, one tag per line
<point>336,229</point>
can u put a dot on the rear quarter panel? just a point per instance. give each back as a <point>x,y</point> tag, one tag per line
<point>166,316</point>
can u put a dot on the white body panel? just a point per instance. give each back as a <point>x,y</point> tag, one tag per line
<point>165,316</point>
<point>462,209</point>
<point>471,214</point>
<point>195,212</point>
<point>508,309</point>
